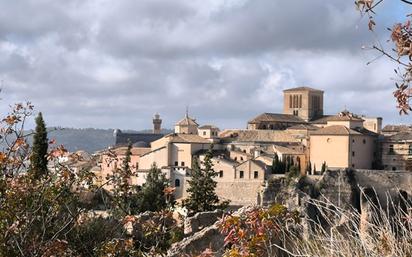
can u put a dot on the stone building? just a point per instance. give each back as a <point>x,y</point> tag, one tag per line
<point>186,125</point>
<point>303,102</point>
<point>397,151</point>
<point>343,143</point>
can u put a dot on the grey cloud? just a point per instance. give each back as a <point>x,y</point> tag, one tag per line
<point>101,63</point>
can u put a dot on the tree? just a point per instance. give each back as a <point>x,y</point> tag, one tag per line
<point>122,188</point>
<point>323,169</point>
<point>309,167</point>
<point>202,195</point>
<point>38,158</point>
<point>276,165</point>
<point>401,36</point>
<point>152,196</point>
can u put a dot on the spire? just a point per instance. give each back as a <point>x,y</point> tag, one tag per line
<point>187,111</point>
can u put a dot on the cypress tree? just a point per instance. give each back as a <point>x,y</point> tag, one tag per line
<point>38,158</point>
<point>202,196</point>
<point>323,169</point>
<point>276,166</point>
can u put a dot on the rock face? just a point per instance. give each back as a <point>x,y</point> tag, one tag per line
<point>200,221</point>
<point>209,237</point>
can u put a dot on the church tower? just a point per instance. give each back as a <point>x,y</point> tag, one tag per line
<point>157,124</point>
<point>304,102</point>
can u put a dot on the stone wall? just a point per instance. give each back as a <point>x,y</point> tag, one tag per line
<point>240,192</point>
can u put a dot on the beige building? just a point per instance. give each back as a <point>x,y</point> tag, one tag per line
<point>241,183</point>
<point>343,143</point>
<point>112,159</point>
<point>186,126</point>
<point>303,102</point>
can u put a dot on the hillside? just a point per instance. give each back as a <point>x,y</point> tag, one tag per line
<point>89,139</point>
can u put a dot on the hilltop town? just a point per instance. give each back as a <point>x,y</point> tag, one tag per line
<point>302,136</point>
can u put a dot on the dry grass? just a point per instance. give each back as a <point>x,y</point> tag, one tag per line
<point>379,230</point>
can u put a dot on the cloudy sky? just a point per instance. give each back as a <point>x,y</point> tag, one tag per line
<point>113,64</point>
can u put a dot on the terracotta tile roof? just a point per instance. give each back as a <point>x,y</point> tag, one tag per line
<point>286,150</point>
<point>302,89</point>
<point>342,130</point>
<point>187,121</point>
<point>276,117</point>
<point>258,136</point>
<point>137,151</point>
<point>208,127</point>
<point>323,120</point>
<point>401,136</point>
<point>303,127</point>
<point>187,138</point>
<point>397,128</point>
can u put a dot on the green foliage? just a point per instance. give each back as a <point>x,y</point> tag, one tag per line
<point>152,196</point>
<point>202,195</point>
<point>277,165</point>
<point>38,158</point>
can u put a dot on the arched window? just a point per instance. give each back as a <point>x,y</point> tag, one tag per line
<point>177,182</point>
<point>221,174</point>
<point>410,150</point>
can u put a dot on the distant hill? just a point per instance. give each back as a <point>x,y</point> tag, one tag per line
<point>89,139</point>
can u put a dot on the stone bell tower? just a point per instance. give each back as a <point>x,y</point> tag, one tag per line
<point>157,124</point>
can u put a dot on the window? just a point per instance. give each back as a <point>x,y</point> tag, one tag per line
<point>177,183</point>
<point>241,174</point>
<point>176,163</point>
<point>393,168</point>
<point>410,150</point>
<point>204,133</point>
<point>353,154</point>
<point>221,174</point>
<point>255,174</point>
<point>353,165</point>
<point>183,164</point>
<point>391,151</point>
<point>241,158</point>
<point>353,140</point>
<point>235,158</point>
<point>300,101</point>
<point>364,141</point>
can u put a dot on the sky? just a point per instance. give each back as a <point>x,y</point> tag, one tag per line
<point>114,64</point>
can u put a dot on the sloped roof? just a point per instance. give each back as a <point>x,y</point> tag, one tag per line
<point>187,138</point>
<point>342,130</point>
<point>322,120</point>
<point>258,135</point>
<point>401,136</point>
<point>397,128</point>
<point>276,117</point>
<point>208,127</point>
<point>302,89</point>
<point>138,151</point>
<point>187,121</point>
<point>286,150</point>
<point>303,127</point>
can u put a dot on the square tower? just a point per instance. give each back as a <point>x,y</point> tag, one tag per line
<point>304,102</point>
